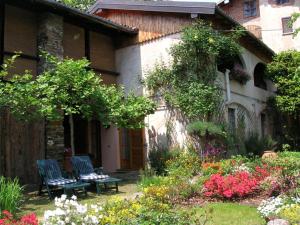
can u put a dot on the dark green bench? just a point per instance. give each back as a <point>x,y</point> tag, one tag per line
<point>85,172</point>
<point>52,178</point>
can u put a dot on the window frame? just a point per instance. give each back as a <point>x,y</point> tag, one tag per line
<point>290,30</point>
<point>252,8</point>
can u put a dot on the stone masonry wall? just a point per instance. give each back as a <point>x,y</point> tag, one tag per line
<point>50,40</point>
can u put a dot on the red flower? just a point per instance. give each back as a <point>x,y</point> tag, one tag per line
<point>239,184</point>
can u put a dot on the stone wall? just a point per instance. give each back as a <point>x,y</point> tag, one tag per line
<point>50,40</point>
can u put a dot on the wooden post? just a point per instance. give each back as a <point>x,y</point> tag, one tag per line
<point>2,113</point>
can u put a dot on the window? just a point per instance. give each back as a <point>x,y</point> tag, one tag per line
<point>280,2</point>
<point>231,119</point>
<point>286,29</point>
<point>250,8</point>
<point>259,75</point>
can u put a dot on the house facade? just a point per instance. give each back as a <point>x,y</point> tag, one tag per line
<point>123,40</point>
<point>267,19</point>
<point>159,25</point>
<point>30,26</point>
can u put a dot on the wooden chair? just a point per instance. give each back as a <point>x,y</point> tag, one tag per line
<point>85,172</point>
<point>51,177</point>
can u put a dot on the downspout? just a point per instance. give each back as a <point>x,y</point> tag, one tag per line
<point>227,86</point>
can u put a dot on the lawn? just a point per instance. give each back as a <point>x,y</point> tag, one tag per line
<point>39,204</point>
<point>231,214</point>
<point>221,213</point>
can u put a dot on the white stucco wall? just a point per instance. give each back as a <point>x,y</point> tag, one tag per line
<point>134,62</point>
<point>272,26</point>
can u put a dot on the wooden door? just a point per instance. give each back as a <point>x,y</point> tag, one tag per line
<point>132,148</point>
<point>137,148</point>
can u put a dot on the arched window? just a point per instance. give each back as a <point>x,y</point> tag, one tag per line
<point>259,75</point>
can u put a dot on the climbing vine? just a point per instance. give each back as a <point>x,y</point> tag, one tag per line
<point>189,82</point>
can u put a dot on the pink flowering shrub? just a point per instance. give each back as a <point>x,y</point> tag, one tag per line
<point>29,219</point>
<point>239,184</point>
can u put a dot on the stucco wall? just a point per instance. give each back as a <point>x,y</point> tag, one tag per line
<point>272,26</point>
<point>134,62</point>
<point>110,149</point>
<point>268,17</point>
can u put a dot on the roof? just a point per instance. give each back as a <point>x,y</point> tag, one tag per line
<point>73,14</point>
<point>156,6</point>
<point>201,8</point>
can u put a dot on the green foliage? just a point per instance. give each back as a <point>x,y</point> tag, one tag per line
<point>206,128</point>
<point>186,163</point>
<point>256,145</point>
<point>10,195</point>
<point>284,71</point>
<point>79,4</point>
<point>69,88</point>
<point>158,159</point>
<point>295,17</point>
<point>188,84</point>
<point>289,162</point>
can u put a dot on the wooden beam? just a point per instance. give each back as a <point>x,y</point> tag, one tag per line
<point>87,43</point>
<point>109,72</point>
<point>2,23</point>
<point>21,55</point>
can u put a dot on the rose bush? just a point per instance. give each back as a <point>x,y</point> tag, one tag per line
<point>239,184</point>
<point>8,219</point>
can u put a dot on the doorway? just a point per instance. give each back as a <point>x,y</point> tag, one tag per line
<point>132,148</point>
<point>87,138</point>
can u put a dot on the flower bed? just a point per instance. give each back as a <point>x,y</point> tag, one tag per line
<point>8,219</point>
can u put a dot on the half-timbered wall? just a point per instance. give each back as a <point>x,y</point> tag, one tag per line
<point>21,143</point>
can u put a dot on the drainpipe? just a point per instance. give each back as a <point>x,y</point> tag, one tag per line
<point>227,83</point>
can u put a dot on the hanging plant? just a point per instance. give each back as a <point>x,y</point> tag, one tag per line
<point>239,74</point>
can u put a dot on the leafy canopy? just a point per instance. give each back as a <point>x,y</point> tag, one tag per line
<point>189,83</point>
<point>79,4</point>
<point>69,88</point>
<point>284,71</point>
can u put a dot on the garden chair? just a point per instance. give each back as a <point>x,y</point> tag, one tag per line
<point>51,177</point>
<point>85,172</point>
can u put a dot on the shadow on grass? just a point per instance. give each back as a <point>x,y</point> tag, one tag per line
<point>38,204</point>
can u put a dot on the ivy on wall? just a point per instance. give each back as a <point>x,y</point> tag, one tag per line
<point>189,83</point>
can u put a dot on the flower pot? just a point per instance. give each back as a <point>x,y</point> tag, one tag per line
<point>269,155</point>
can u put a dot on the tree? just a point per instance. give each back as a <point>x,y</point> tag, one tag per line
<point>79,4</point>
<point>284,71</point>
<point>295,17</point>
<point>70,88</point>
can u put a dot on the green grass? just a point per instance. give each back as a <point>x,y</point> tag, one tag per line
<point>231,214</point>
<point>39,204</point>
<point>222,213</point>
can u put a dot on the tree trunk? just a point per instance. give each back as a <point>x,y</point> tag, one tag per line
<point>71,122</point>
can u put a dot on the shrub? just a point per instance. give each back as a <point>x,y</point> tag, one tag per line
<point>144,210</point>
<point>158,159</point>
<point>29,219</point>
<point>256,145</point>
<point>291,213</point>
<point>213,153</point>
<point>186,163</point>
<point>201,129</point>
<point>10,194</point>
<point>286,207</point>
<point>239,184</point>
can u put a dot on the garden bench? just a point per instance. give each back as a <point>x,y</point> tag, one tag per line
<point>85,172</point>
<point>51,178</point>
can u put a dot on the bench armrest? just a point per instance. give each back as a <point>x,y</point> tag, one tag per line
<point>99,170</point>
